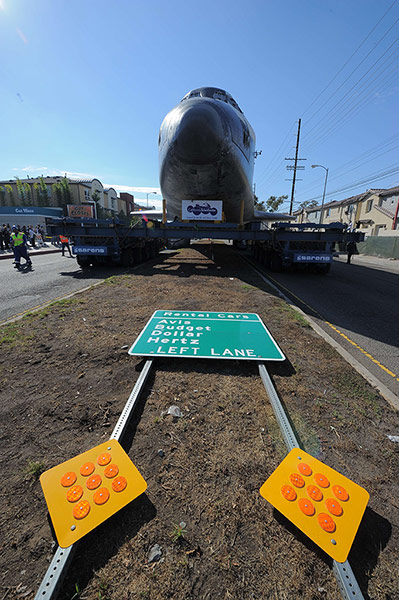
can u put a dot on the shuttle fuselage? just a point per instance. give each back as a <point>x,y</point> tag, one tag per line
<point>206,152</point>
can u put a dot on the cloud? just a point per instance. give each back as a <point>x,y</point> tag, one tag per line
<point>31,169</point>
<point>132,189</point>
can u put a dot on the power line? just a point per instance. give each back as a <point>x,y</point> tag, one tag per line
<point>349,59</point>
<point>356,68</point>
<point>355,93</point>
<point>391,170</point>
<point>359,106</point>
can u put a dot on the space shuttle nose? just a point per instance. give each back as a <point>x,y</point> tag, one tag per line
<point>199,135</point>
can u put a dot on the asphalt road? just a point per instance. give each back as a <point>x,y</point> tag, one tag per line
<point>357,305</point>
<point>52,276</point>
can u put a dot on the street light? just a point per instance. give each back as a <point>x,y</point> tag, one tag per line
<point>148,195</point>
<point>324,192</point>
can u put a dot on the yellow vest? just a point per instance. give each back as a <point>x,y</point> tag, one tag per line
<point>18,238</point>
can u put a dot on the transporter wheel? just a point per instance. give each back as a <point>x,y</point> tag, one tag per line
<point>83,262</point>
<point>127,259</point>
<point>276,263</point>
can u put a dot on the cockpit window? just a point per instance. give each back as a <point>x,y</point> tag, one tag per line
<point>215,93</point>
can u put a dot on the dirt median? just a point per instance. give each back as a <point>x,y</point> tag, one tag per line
<point>65,377</point>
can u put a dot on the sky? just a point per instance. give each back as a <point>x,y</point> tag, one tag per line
<point>85,85</point>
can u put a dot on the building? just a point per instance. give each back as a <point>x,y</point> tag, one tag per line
<point>41,191</point>
<point>375,212</point>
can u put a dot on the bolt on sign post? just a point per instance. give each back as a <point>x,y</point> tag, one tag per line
<point>324,504</point>
<point>220,335</point>
<point>86,490</point>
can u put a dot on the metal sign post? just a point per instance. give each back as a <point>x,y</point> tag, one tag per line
<point>348,585</point>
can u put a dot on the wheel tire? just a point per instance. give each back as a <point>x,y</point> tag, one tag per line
<point>276,263</point>
<point>83,262</point>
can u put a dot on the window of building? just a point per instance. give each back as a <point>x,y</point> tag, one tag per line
<point>380,201</point>
<point>369,205</point>
<point>328,212</point>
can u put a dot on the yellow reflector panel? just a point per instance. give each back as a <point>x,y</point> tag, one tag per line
<point>327,506</point>
<point>84,491</point>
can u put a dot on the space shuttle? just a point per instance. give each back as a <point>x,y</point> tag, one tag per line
<point>207,152</point>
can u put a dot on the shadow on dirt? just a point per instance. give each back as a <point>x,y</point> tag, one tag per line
<point>104,542</point>
<point>372,537</point>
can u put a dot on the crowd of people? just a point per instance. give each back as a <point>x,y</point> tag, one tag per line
<point>34,235</point>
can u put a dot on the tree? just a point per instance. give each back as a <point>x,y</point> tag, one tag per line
<point>2,196</point>
<point>271,204</point>
<point>308,204</point>
<point>62,193</point>
<point>274,202</point>
<point>10,194</point>
<point>102,213</point>
<point>41,192</point>
<point>20,190</point>
<point>28,194</point>
<point>257,204</point>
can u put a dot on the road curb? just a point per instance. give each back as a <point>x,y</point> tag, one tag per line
<point>39,253</point>
<point>389,396</point>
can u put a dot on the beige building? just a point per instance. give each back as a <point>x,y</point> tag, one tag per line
<point>82,191</point>
<point>374,212</point>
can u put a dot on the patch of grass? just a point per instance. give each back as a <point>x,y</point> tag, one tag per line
<point>35,469</point>
<point>67,302</point>
<point>293,314</point>
<point>178,532</point>
<point>157,419</point>
<point>247,288</point>
<point>104,586</point>
<point>9,334</point>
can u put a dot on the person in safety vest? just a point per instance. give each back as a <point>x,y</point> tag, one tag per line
<point>65,244</point>
<point>19,245</point>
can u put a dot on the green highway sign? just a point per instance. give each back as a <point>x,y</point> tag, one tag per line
<point>238,336</point>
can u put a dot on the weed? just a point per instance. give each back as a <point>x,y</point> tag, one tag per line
<point>248,287</point>
<point>77,593</point>
<point>35,469</point>
<point>178,532</point>
<point>157,419</point>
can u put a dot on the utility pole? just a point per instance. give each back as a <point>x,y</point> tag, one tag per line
<point>295,168</point>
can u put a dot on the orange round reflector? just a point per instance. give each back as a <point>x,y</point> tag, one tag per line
<point>340,493</point>
<point>119,484</point>
<point>304,469</point>
<point>297,480</point>
<point>74,493</point>
<point>314,493</point>
<point>288,492</point>
<point>81,510</point>
<point>306,507</point>
<point>321,480</point>
<point>68,479</point>
<point>326,522</point>
<point>101,496</point>
<point>93,482</point>
<point>104,459</point>
<point>111,471</point>
<point>87,469</point>
<point>334,507</point>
